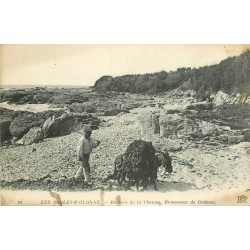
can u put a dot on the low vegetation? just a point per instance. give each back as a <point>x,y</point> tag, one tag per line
<point>230,76</point>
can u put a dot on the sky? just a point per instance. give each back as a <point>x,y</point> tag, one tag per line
<point>84,64</point>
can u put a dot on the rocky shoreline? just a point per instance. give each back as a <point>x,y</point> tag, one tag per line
<point>199,163</point>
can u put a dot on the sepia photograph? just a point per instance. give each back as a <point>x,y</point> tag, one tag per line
<point>133,125</point>
<point>124,124</point>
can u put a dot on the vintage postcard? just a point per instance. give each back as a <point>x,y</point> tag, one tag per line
<point>125,125</point>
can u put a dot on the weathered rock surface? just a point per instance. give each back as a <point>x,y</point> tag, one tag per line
<point>35,135</point>
<point>26,120</point>
<point>22,123</point>
<point>88,107</point>
<point>241,98</point>
<point>200,105</point>
<point>67,123</point>
<point>5,134</point>
<point>43,95</point>
<point>176,125</point>
<point>128,106</point>
<point>149,123</point>
<point>221,98</point>
<point>114,111</point>
<point>246,133</point>
<point>208,129</point>
<point>6,113</point>
<point>6,117</point>
<point>170,124</point>
<point>68,99</point>
<point>234,139</point>
<point>54,123</point>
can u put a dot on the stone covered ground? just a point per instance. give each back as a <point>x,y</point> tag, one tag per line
<point>197,164</point>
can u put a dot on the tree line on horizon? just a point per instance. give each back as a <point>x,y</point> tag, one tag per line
<point>231,75</point>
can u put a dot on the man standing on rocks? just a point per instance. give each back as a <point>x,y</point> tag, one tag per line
<point>83,149</point>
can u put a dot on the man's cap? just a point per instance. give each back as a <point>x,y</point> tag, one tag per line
<point>87,129</point>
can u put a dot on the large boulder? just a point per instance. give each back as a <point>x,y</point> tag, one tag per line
<point>6,117</point>
<point>246,133</point>
<point>22,123</point>
<point>190,128</point>
<point>149,124</point>
<point>35,135</point>
<point>67,123</point>
<point>208,129</point>
<point>26,120</point>
<point>175,125</point>
<point>169,124</point>
<point>234,139</point>
<point>221,98</point>
<point>48,123</point>
<point>5,134</point>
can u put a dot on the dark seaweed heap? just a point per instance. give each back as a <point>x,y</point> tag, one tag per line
<point>138,164</point>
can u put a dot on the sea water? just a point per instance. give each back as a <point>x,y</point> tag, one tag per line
<point>28,107</point>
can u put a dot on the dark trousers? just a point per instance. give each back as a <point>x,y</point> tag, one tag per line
<point>84,170</point>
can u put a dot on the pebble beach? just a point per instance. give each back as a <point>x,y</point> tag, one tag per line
<point>197,165</point>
